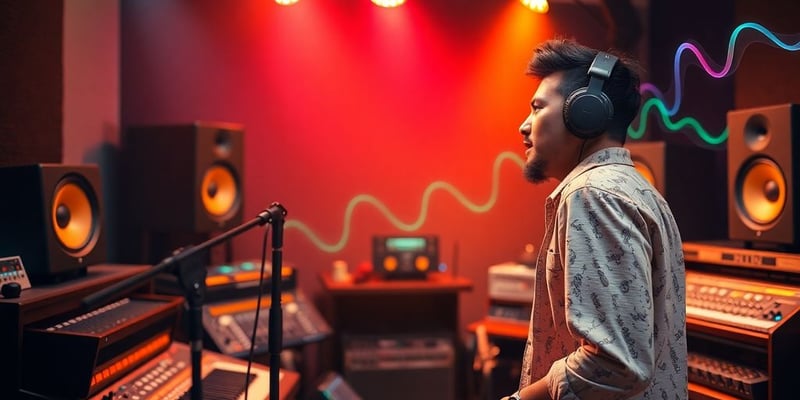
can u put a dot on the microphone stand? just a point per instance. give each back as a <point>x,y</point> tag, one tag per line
<point>192,273</point>
<point>275,330</point>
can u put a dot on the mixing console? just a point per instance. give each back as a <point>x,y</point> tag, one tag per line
<point>230,324</point>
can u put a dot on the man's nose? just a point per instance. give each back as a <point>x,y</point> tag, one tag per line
<point>525,128</point>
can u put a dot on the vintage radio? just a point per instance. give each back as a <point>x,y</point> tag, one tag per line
<point>405,257</point>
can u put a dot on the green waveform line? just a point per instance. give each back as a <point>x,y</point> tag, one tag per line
<point>637,133</point>
<point>407,226</point>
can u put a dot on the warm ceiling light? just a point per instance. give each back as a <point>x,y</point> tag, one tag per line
<point>286,2</point>
<point>540,6</point>
<point>388,3</point>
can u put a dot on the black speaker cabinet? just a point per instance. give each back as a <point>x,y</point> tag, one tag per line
<point>685,175</point>
<point>762,174</point>
<point>183,178</point>
<point>51,217</point>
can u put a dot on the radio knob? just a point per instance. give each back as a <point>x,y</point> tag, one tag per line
<point>225,320</point>
<point>11,290</point>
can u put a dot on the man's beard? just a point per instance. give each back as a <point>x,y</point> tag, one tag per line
<point>534,170</point>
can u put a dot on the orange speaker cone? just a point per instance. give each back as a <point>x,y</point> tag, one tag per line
<point>646,172</point>
<point>74,215</point>
<point>220,192</point>
<point>761,191</point>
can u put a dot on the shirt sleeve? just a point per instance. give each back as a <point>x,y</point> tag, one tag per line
<point>605,250</point>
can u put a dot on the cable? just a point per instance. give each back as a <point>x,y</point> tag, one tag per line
<point>580,154</point>
<point>258,309</point>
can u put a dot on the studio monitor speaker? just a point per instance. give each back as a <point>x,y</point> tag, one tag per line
<point>685,177</point>
<point>184,178</point>
<point>51,217</point>
<point>762,174</point>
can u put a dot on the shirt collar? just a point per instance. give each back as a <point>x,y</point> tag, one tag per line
<point>606,156</point>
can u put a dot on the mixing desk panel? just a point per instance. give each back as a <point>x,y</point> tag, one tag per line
<point>229,324</point>
<point>97,347</point>
<point>743,322</point>
<point>739,303</point>
<point>168,377</point>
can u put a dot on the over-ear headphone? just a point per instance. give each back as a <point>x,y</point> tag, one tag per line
<point>587,110</point>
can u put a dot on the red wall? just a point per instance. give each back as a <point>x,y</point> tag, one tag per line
<point>416,108</point>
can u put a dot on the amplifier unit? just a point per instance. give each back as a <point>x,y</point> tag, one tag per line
<point>398,367</point>
<point>511,282</point>
<point>728,254</point>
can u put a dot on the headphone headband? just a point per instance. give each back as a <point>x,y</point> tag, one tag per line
<point>602,65</point>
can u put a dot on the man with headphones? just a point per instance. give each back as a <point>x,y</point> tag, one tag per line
<point>609,311</point>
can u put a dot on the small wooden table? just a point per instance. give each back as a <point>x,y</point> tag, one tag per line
<point>381,310</point>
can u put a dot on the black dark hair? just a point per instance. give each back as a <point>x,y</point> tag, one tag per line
<point>622,88</point>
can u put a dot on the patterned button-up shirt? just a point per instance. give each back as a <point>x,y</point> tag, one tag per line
<point>609,311</point>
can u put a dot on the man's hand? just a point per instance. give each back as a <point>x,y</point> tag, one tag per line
<point>536,391</point>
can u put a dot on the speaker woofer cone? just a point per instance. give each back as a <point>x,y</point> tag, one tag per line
<point>75,215</point>
<point>760,193</point>
<point>220,192</point>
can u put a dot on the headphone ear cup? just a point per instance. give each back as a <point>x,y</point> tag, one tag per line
<point>586,114</point>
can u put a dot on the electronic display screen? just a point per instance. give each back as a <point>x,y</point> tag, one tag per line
<point>405,243</point>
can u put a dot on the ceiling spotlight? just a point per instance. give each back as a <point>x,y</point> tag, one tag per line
<point>388,3</point>
<point>286,2</point>
<point>540,6</point>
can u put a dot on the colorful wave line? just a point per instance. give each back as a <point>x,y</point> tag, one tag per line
<point>705,61</point>
<point>659,103</point>
<point>637,133</point>
<point>397,222</point>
